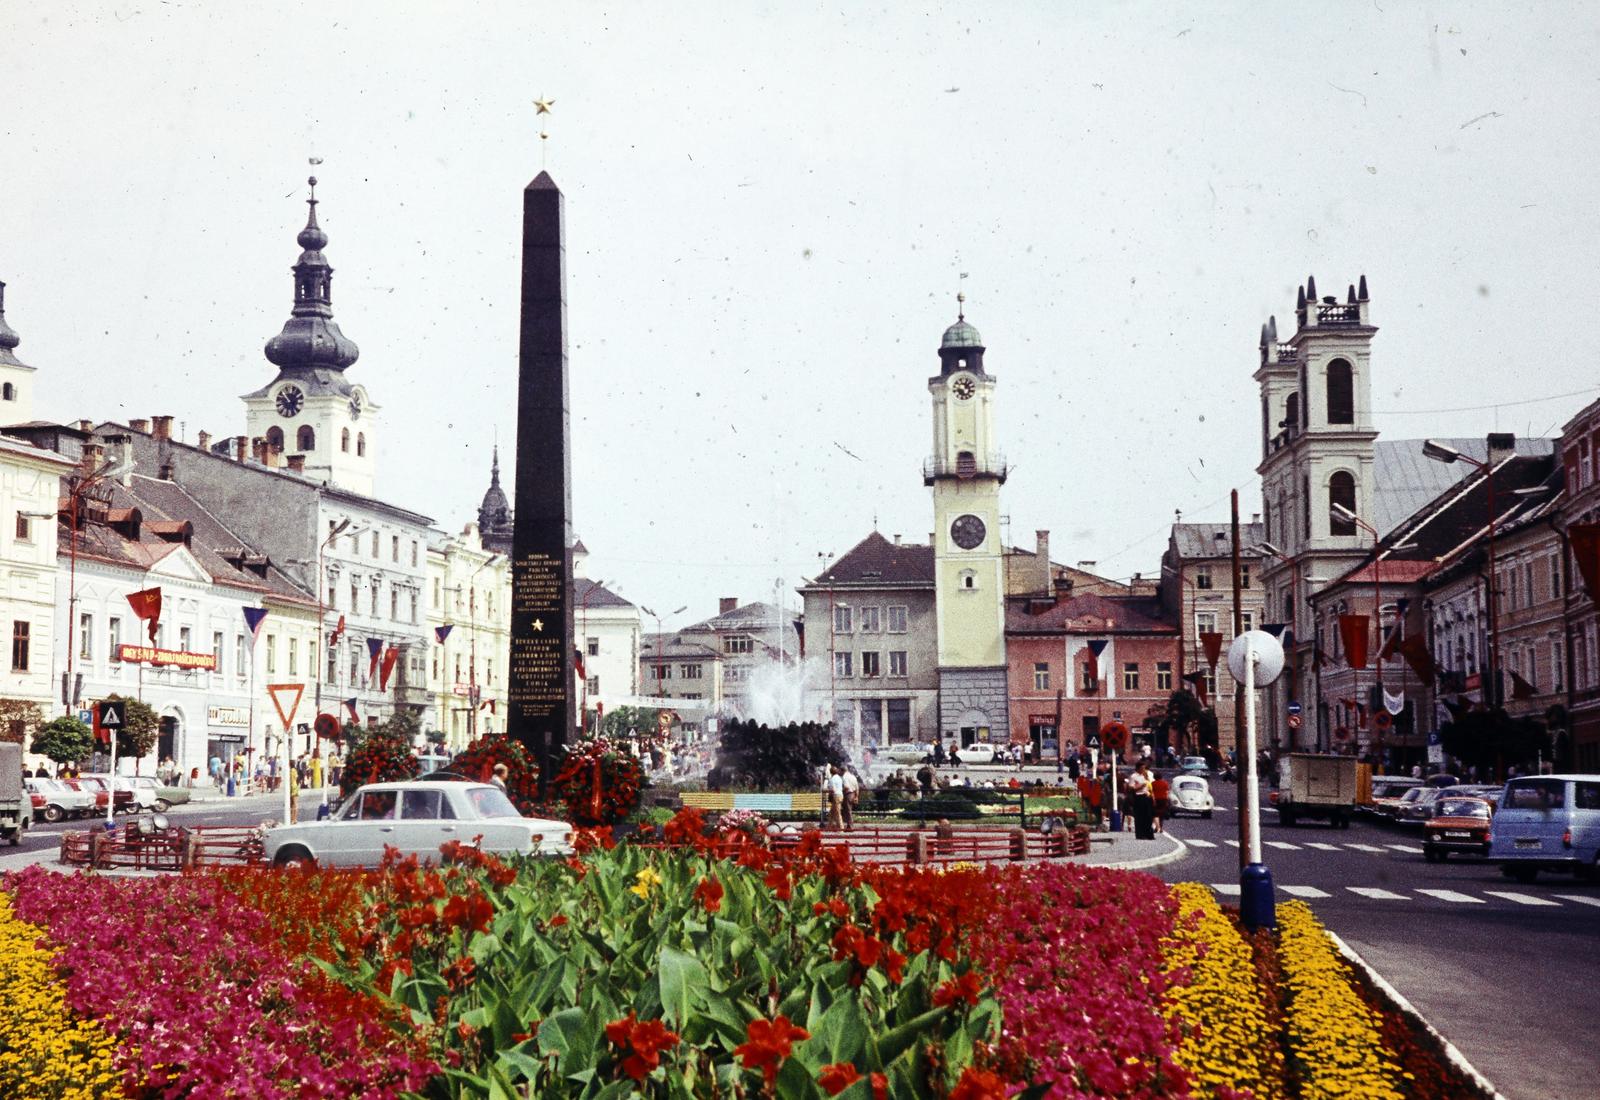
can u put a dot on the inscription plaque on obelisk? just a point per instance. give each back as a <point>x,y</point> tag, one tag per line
<point>540,684</point>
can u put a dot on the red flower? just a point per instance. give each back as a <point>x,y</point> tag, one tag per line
<point>965,988</point>
<point>642,1040</point>
<point>473,912</point>
<point>979,1084</point>
<point>558,920</point>
<point>767,1043</point>
<point>836,1078</point>
<point>880,1086</point>
<point>778,880</point>
<point>709,894</point>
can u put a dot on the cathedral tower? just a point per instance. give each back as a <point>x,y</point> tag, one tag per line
<point>16,377</point>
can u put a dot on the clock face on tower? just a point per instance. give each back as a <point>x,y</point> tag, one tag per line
<point>289,400</point>
<point>967,532</point>
<point>964,388</point>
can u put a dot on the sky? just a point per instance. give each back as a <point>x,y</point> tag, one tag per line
<point>770,209</point>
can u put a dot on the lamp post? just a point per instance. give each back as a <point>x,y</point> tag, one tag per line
<point>583,629</point>
<point>1441,452</point>
<point>333,532</point>
<point>1267,549</point>
<point>472,656</point>
<point>661,646</point>
<point>1377,604</point>
<point>80,484</point>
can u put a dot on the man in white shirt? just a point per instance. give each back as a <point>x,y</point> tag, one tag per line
<point>852,795</point>
<point>835,797</point>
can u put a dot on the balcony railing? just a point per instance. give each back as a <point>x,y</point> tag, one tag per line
<point>964,466</point>
<point>1286,353</point>
<point>1332,313</point>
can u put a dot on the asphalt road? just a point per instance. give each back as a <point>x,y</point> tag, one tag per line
<point>1508,973</point>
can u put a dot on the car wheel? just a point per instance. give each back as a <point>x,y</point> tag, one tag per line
<point>1523,874</point>
<point>53,814</point>
<point>1432,856</point>
<point>162,806</point>
<point>1344,822</point>
<point>1206,814</point>
<point>1286,818</point>
<point>13,836</point>
<point>292,855</point>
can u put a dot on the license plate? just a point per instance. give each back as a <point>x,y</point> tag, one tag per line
<point>1453,834</point>
<point>1527,842</point>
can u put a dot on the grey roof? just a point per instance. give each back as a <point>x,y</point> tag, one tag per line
<point>961,335</point>
<point>586,593</point>
<point>1407,480</point>
<point>1215,540</point>
<point>744,617</point>
<point>675,647</point>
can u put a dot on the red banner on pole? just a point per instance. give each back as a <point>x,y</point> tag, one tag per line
<point>1585,538</point>
<point>1415,651</point>
<point>1211,643</point>
<point>147,605</point>
<point>390,656</point>
<point>1353,633</point>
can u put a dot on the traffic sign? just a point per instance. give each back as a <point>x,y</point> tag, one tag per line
<point>86,716</point>
<point>1092,741</point>
<point>1294,720</point>
<point>114,714</point>
<point>286,699</point>
<point>1383,720</point>
<point>327,725</point>
<point>1116,736</point>
<point>1294,707</point>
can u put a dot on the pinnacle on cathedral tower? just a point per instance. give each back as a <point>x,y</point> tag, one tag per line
<point>8,336</point>
<point>311,341</point>
<point>495,526</point>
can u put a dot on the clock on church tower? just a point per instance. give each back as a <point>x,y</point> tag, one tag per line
<point>311,408</point>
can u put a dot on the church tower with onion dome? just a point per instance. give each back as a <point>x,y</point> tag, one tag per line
<point>495,527</point>
<point>311,413</point>
<point>16,377</point>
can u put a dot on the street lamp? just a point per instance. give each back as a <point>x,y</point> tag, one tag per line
<point>1267,549</point>
<point>583,631</point>
<point>472,656</point>
<point>1441,452</point>
<point>80,484</point>
<point>661,680</point>
<point>333,532</point>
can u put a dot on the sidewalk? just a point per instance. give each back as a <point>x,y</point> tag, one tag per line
<point>1124,851</point>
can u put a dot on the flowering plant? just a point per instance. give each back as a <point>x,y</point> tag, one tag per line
<point>478,759</point>
<point>600,781</point>
<point>742,821</point>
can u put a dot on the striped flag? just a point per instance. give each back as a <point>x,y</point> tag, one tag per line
<point>253,618</point>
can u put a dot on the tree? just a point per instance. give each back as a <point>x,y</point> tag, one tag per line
<point>64,740</point>
<point>1491,739</point>
<point>752,755</point>
<point>620,723</point>
<point>138,737</point>
<point>1187,723</point>
<point>17,717</point>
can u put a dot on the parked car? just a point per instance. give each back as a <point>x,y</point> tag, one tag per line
<point>1490,793</point>
<point>1547,823</point>
<point>1190,794</point>
<point>1194,765</point>
<point>1458,825</point>
<point>98,787</point>
<point>1416,805</point>
<point>168,797</point>
<point>1387,791</point>
<point>55,800</point>
<point>979,752</point>
<point>417,817</point>
<point>1443,779</point>
<point>141,790</point>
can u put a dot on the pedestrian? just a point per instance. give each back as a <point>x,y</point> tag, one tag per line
<point>852,795</point>
<point>499,775</point>
<point>925,776</point>
<point>1142,802</point>
<point>938,754</point>
<point>955,761</point>
<point>836,797</point>
<point>1161,791</point>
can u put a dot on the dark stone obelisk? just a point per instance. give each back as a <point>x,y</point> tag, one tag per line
<point>540,686</point>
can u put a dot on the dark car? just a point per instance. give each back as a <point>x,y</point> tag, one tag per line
<point>1458,824</point>
<point>1416,805</point>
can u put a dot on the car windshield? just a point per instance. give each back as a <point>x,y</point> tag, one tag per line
<point>491,802</point>
<point>1461,807</point>
<point>1412,795</point>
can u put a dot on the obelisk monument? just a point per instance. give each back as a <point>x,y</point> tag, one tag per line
<point>540,686</point>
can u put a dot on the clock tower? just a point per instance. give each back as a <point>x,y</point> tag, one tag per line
<point>965,473</point>
<point>311,409</point>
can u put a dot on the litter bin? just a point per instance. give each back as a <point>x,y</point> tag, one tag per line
<point>1116,821</point>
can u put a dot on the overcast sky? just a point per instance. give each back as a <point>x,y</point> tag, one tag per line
<point>769,207</point>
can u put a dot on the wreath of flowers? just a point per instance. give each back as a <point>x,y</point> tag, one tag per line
<point>621,782</point>
<point>381,758</point>
<point>478,759</point>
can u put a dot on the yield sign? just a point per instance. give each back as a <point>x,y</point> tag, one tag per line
<point>286,692</point>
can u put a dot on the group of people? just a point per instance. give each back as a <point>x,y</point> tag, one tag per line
<point>841,791</point>
<point>1146,797</point>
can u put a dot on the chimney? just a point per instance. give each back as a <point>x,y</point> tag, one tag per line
<point>727,604</point>
<point>86,425</point>
<point>1041,549</point>
<point>297,463</point>
<point>240,444</point>
<point>93,455</point>
<point>142,426</point>
<point>203,441</point>
<point>1502,445</point>
<point>161,427</point>
<point>1255,517</point>
<point>897,540</point>
<point>258,450</point>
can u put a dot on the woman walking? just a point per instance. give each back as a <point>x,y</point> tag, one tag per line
<point>1144,803</point>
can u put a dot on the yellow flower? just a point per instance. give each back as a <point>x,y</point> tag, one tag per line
<point>645,881</point>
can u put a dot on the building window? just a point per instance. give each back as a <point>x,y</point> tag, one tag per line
<point>592,685</point>
<point>374,544</point>
<point>1130,676</point>
<point>332,673</point>
<point>394,604</point>
<point>841,620</point>
<point>240,665</point>
<point>1041,676</point>
<point>373,601</point>
<point>1341,491</point>
<point>691,672</point>
<point>969,579</point>
<point>738,643</point>
<point>1244,575</point>
<point>361,444</point>
<point>871,664</point>
<point>1088,674</point>
<point>272,654</point>
<point>275,438</point>
<point>844,664</point>
<point>870,620</point>
<point>1248,618</point>
<point>216,649</point>
<point>9,392</point>
<point>85,637</point>
<point>1163,675</point>
<point>294,656</point>
<point>592,646</point>
<point>735,673</point>
<point>414,553</point>
<point>394,548</point>
<point>897,619</point>
<point>306,438</point>
<point>436,592</point>
<point>24,528</point>
<point>1210,681</point>
<point>1557,667</point>
<point>661,671</point>
<point>413,606</point>
<point>1205,622</point>
<point>344,441</point>
<point>355,594</point>
<point>899,718</point>
<point>1341,393</point>
<point>184,637</point>
<point>1202,576</point>
<point>897,662</point>
<point>113,636</point>
<point>19,645</point>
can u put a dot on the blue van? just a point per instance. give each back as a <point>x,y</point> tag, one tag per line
<point>1547,823</point>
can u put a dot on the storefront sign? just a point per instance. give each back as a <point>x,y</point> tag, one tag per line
<point>227,716</point>
<point>148,655</point>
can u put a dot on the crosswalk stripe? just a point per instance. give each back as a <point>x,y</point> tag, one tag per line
<point>1581,899</point>
<point>1321,847</point>
<point>1520,899</point>
<point>1229,888</point>
<point>1365,848</point>
<point>1284,844</point>
<point>1410,849</point>
<point>1305,892</point>
<point>1198,843</point>
<point>1233,843</point>
<point>1375,893</point>
<point>1451,895</point>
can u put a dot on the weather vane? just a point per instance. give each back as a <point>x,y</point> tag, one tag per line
<point>541,106</point>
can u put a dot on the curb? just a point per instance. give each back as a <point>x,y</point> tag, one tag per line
<point>1455,1056</point>
<point>1179,852</point>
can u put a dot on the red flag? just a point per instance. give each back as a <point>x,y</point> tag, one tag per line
<point>1391,642</point>
<point>1585,538</point>
<point>375,651</point>
<point>1211,642</point>
<point>1415,651</point>
<point>1198,679</point>
<point>1520,688</point>
<point>390,656</point>
<point>577,662</point>
<point>338,632</point>
<point>1353,632</point>
<point>147,605</point>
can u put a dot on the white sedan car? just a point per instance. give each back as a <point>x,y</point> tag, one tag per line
<point>417,818</point>
<point>1191,794</point>
<point>979,752</point>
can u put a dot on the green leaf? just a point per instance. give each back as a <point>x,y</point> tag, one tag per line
<point>896,1041</point>
<point>559,1033</point>
<point>683,983</point>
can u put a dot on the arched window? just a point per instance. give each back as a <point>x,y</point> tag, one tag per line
<point>966,464</point>
<point>9,392</point>
<point>1341,491</point>
<point>1341,393</point>
<point>275,438</point>
<point>361,444</point>
<point>1291,412</point>
<point>306,438</point>
<point>344,440</point>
